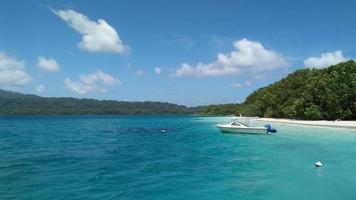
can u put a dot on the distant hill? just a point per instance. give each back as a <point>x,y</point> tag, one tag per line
<point>13,103</point>
<point>328,93</point>
<point>313,94</point>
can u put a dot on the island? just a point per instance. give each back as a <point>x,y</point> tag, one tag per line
<point>306,94</point>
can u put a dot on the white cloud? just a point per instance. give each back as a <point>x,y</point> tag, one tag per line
<point>325,59</point>
<point>40,88</point>
<point>48,64</point>
<point>78,87</point>
<point>239,85</point>
<point>99,76</point>
<point>139,72</point>
<point>236,85</point>
<point>248,83</point>
<point>248,55</point>
<point>13,72</point>
<point>97,36</point>
<point>91,83</point>
<point>157,70</point>
<point>184,70</point>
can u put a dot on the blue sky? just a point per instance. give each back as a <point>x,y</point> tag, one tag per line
<point>185,52</point>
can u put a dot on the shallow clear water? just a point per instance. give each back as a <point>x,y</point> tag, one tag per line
<point>127,157</point>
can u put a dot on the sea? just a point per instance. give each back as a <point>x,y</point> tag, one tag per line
<point>130,157</point>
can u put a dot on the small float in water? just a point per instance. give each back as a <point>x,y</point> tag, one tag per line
<point>236,126</point>
<point>318,164</point>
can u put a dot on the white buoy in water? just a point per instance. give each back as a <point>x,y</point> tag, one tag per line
<point>318,164</point>
<point>163,131</point>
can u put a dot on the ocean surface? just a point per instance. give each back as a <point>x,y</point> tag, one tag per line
<point>127,157</point>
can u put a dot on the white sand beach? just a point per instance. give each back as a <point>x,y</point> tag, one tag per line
<point>322,123</point>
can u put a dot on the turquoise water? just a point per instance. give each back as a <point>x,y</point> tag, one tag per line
<point>126,157</point>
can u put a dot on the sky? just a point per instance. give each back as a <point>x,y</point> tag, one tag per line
<point>185,52</point>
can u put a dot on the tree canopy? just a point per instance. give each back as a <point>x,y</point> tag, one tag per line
<point>12,103</point>
<point>313,94</point>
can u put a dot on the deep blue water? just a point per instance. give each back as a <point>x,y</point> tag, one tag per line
<point>127,157</point>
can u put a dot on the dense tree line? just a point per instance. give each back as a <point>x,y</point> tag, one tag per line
<point>313,94</point>
<point>328,93</point>
<point>12,103</point>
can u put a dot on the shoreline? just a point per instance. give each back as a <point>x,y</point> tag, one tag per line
<point>318,123</point>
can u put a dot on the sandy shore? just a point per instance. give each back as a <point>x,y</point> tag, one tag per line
<point>322,123</point>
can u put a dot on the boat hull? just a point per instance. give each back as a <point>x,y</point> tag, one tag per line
<point>247,130</point>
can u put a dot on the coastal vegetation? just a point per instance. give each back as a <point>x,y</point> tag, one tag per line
<point>13,103</point>
<point>312,94</point>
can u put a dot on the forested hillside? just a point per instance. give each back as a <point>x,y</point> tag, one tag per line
<point>328,93</point>
<point>12,103</point>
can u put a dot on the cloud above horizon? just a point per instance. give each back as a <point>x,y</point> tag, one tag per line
<point>247,55</point>
<point>139,72</point>
<point>91,83</point>
<point>97,36</point>
<point>40,88</point>
<point>158,70</point>
<point>247,83</point>
<point>325,59</point>
<point>13,71</point>
<point>48,64</point>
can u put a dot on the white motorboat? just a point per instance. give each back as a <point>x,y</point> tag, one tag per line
<point>235,126</point>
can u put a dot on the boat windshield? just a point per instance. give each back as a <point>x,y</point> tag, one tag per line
<point>237,123</point>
